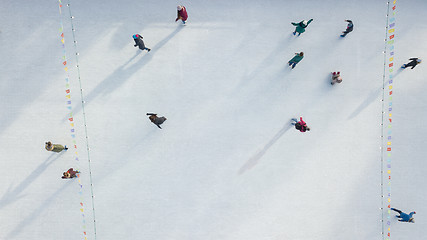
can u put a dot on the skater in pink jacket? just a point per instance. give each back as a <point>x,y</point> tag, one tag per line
<point>301,125</point>
<point>181,14</point>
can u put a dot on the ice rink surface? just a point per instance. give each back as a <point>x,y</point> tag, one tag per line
<point>227,163</point>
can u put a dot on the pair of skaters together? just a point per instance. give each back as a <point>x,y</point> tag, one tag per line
<point>71,173</point>
<point>336,76</point>
<point>301,26</point>
<point>181,15</point>
<point>300,125</point>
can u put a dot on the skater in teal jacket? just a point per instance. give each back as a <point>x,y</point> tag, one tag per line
<point>298,57</point>
<point>301,26</point>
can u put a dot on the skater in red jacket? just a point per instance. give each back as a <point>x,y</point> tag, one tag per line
<point>301,125</point>
<point>181,14</point>
<point>71,173</point>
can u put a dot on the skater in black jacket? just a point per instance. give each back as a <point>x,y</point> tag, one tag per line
<point>139,42</point>
<point>414,62</point>
<point>156,120</point>
<point>349,28</point>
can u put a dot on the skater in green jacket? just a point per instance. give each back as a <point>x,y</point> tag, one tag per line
<point>298,57</point>
<point>55,147</point>
<point>301,26</point>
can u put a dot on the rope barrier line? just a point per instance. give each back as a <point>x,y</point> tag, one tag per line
<point>71,120</point>
<point>387,120</point>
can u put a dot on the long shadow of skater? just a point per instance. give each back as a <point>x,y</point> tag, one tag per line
<point>123,73</point>
<point>399,71</point>
<point>255,158</point>
<point>372,96</point>
<point>15,194</point>
<point>37,211</point>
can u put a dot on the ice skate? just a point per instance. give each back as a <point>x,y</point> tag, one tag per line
<point>294,121</point>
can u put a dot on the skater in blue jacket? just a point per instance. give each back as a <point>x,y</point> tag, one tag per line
<point>403,216</point>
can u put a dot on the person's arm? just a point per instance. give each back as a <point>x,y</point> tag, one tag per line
<point>302,121</point>
<point>177,15</point>
<point>413,59</point>
<point>311,20</point>
<point>151,114</point>
<point>295,24</point>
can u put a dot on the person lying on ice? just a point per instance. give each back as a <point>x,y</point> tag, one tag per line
<point>404,217</point>
<point>70,174</point>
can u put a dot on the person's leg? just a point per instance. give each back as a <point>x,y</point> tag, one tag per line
<point>294,121</point>
<point>293,65</point>
<point>396,210</point>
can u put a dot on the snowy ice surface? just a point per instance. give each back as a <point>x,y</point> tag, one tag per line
<point>227,164</point>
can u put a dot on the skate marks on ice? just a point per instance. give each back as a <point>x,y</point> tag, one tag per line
<point>256,158</point>
<point>33,216</point>
<point>374,94</point>
<point>15,194</point>
<point>123,73</point>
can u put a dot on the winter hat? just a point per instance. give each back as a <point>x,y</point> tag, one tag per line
<point>418,60</point>
<point>135,36</point>
<point>179,7</point>
<point>305,22</point>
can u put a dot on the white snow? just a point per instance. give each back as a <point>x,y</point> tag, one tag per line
<point>227,163</point>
